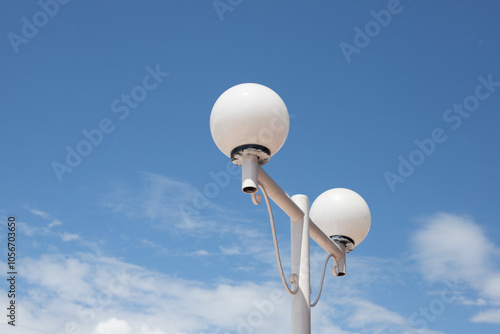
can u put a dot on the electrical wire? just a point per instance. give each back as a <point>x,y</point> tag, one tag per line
<point>322,279</point>
<point>276,249</point>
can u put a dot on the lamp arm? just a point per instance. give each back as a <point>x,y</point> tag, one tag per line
<point>295,213</point>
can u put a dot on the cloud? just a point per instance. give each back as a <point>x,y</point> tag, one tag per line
<point>146,330</point>
<point>42,214</point>
<point>63,276</point>
<point>234,250</point>
<point>490,316</point>
<point>201,252</point>
<point>112,326</point>
<point>347,314</point>
<point>159,201</point>
<point>160,250</point>
<point>455,248</point>
<point>97,294</point>
<point>47,217</point>
<point>35,229</point>
<point>55,222</point>
<point>366,313</point>
<point>65,236</point>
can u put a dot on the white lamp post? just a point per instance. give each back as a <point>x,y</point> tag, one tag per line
<point>249,123</point>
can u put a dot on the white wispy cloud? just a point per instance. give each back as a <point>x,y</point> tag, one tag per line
<point>491,316</point>
<point>55,222</point>
<point>348,313</point>
<point>233,250</point>
<point>367,313</point>
<point>200,252</point>
<point>40,213</point>
<point>101,294</point>
<point>97,294</point>
<point>47,217</point>
<point>161,200</point>
<point>449,247</point>
<point>160,250</point>
<point>112,326</point>
<point>49,230</point>
<point>65,236</point>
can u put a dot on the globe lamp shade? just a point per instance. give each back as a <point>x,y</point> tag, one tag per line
<point>342,212</point>
<point>249,115</point>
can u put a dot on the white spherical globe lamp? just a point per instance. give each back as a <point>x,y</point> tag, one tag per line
<point>251,117</point>
<point>342,213</point>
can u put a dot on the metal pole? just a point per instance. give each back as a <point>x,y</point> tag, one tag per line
<point>301,301</point>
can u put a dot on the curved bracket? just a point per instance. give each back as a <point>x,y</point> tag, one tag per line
<point>256,199</point>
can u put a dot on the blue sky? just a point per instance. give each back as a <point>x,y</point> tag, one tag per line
<point>397,100</point>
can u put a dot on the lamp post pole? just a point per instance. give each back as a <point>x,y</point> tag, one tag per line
<point>301,301</point>
<point>249,123</point>
<point>297,208</point>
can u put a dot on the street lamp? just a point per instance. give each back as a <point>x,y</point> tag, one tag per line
<point>249,124</point>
